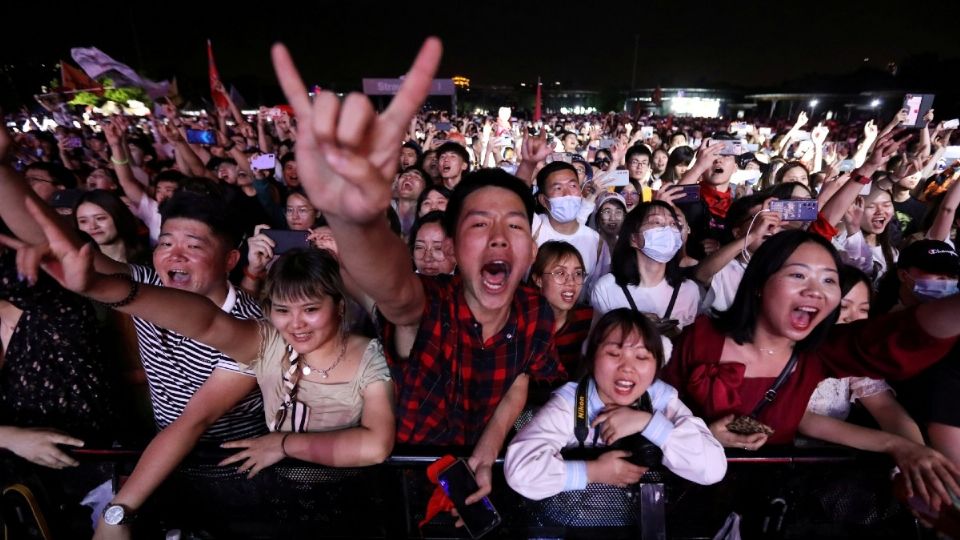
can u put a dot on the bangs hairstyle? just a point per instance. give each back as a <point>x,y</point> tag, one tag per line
<point>623,263</point>
<point>554,251</point>
<point>740,321</point>
<point>303,274</point>
<point>478,180</point>
<point>627,321</point>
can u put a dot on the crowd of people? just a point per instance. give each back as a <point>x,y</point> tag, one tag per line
<point>321,282</point>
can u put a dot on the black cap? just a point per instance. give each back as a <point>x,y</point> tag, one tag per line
<point>930,256</point>
<point>456,148</point>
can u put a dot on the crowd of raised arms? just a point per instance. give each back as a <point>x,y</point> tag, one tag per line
<point>409,277</point>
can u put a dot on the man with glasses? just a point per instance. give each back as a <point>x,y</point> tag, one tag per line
<point>559,193</point>
<point>45,179</point>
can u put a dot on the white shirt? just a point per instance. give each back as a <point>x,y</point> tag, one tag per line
<point>607,296</point>
<point>586,240</point>
<point>723,287</point>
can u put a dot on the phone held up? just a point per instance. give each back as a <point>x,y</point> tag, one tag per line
<point>458,482</point>
<point>284,241</point>
<point>796,209</point>
<point>201,136</point>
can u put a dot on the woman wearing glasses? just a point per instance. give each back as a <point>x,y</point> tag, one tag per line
<point>558,272</point>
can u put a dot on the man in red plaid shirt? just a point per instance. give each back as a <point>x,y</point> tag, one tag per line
<point>463,348</point>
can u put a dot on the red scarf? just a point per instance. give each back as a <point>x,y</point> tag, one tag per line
<point>718,202</point>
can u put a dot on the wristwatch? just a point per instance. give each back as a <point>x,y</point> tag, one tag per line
<point>862,179</point>
<point>117,514</point>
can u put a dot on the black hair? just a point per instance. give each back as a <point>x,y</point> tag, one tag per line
<point>302,274</point>
<point>623,263</point>
<point>850,276</point>
<point>549,169</point>
<point>741,210</point>
<point>681,155</point>
<point>393,219</point>
<point>638,148</point>
<point>478,180</point>
<point>740,321</point>
<point>784,191</point>
<point>169,175</point>
<point>287,158</point>
<point>456,148</point>
<point>554,250</point>
<point>61,175</point>
<point>626,320</point>
<point>207,209</point>
<point>778,178</point>
<point>435,216</point>
<point>442,190</point>
<point>126,224</point>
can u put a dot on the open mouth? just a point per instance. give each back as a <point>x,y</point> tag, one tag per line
<point>178,277</point>
<point>878,223</point>
<point>623,386</point>
<point>802,317</point>
<point>301,337</point>
<point>494,276</point>
<point>568,296</point>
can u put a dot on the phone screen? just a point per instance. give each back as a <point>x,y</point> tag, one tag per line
<point>286,240</point>
<point>691,193</point>
<point>201,136</point>
<point>458,482</point>
<point>264,162</point>
<point>796,209</point>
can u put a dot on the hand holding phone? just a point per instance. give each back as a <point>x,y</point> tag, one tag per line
<point>458,482</point>
<point>201,136</point>
<point>286,240</point>
<point>796,209</point>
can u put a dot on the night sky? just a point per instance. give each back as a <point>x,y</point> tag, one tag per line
<point>755,45</point>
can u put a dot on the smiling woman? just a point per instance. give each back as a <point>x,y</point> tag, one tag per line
<point>782,323</point>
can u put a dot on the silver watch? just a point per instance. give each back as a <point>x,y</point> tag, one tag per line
<point>117,514</point>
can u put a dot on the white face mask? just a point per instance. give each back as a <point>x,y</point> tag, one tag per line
<point>661,243</point>
<point>565,209</point>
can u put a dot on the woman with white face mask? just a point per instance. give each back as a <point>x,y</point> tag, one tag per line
<point>645,270</point>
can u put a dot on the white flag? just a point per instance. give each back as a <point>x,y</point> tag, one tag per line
<point>96,63</point>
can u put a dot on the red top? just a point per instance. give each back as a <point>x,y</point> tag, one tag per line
<point>892,347</point>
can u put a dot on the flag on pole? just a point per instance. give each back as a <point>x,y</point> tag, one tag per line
<point>216,87</point>
<point>95,63</point>
<point>73,79</point>
<point>538,103</point>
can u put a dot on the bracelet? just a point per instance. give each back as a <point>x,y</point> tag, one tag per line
<point>116,161</point>
<point>254,277</point>
<point>283,445</point>
<point>134,289</point>
<point>862,179</point>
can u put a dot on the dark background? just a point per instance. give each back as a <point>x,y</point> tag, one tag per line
<point>760,47</point>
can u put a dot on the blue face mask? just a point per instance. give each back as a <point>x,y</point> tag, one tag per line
<point>933,289</point>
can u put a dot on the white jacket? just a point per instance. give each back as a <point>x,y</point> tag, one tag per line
<point>535,469</point>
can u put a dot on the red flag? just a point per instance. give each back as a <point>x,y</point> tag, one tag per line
<point>537,104</point>
<point>72,78</point>
<point>216,88</point>
<point>657,97</point>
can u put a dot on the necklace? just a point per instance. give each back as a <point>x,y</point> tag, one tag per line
<point>769,352</point>
<point>307,370</point>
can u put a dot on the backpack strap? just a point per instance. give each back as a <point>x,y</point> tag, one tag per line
<point>673,300</point>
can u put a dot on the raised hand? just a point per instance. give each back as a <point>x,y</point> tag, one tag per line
<point>536,149</point>
<point>801,120</point>
<point>819,134</point>
<point>870,130</point>
<point>347,155</point>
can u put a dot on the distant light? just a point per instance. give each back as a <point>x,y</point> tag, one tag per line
<point>875,103</point>
<point>866,59</point>
<point>814,102</point>
<point>557,83</point>
<point>523,84</point>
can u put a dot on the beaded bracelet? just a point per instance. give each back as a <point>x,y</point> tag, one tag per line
<point>116,161</point>
<point>134,289</point>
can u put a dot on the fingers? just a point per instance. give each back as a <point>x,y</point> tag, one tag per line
<point>62,459</point>
<point>416,85</point>
<point>356,119</point>
<point>326,109</point>
<point>242,443</point>
<point>59,438</point>
<point>239,456</point>
<point>11,242</point>
<point>290,81</point>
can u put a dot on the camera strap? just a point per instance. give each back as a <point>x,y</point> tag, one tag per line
<point>580,427</point>
<point>771,393</point>
<point>666,315</point>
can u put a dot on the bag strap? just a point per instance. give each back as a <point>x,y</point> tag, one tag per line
<point>673,300</point>
<point>633,305</point>
<point>771,393</point>
<point>536,233</point>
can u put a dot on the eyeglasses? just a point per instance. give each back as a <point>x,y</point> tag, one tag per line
<point>33,179</point>
<point>300,211</point>
<point>636,162</point>
<point>436,253</point>
<point>611,212</point>
<point>560,276</point>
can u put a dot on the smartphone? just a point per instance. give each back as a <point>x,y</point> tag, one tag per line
<point>201,136</point>
<point>730,148</point>
<point>951,124</point>
<point>607,142</point>
<point>286,240</point>
<point>800,135</point>
<point>796,209</point>
<point>619,177</point>
<point>917,106</point>
<point>264,162</point>
<point>443,126</point>
<point>559,156</point>
<point>73,142</point>
<point>847,165</point>
<point>646,131</point>
<point>458,482</point>
<point>691,193</point>
<point>746,176</point>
